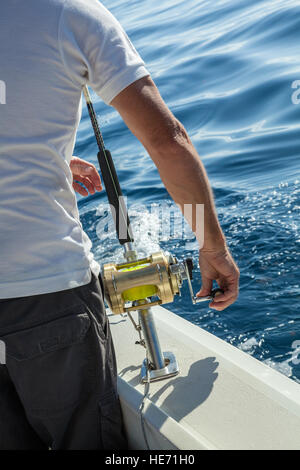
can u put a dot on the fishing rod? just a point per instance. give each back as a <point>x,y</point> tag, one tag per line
<point>138,284</point>
<point>111,181</point>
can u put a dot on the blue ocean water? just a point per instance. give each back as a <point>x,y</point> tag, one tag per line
<point>227,70</point>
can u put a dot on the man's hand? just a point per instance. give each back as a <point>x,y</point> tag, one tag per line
<point>85,173</point>
<point>219,266</point>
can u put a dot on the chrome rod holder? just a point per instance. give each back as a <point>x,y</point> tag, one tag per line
<point>160,365</point>
<point>151,338</point>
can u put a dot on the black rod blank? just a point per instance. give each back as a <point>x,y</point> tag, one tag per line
<point>111,180</point>
<point>115,197</point>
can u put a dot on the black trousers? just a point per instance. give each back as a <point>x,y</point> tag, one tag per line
<point>58,386</point>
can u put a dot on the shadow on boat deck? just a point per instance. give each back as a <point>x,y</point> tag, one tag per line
<point>186,393</point>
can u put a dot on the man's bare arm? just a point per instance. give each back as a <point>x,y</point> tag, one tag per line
<point>183,175</point>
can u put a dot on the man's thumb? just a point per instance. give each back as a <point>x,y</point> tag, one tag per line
<point>206,287</point>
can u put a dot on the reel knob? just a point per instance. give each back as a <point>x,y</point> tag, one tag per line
<point>215,292</point>
<point>190,266</point>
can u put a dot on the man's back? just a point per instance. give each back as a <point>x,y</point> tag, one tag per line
<point>48,50</point>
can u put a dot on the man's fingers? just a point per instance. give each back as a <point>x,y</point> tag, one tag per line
<point>79,189</point>
<point>220,267</point>
<point>226,295</point>
<point>88,184</point>
<point>222,305</point>
<point>222,301</point>
<point>206,287</point>
<point>93,176</point>
<point>89,187</point>
<point>81,168</point>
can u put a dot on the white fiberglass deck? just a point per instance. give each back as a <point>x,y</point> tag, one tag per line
<point>222,398</point>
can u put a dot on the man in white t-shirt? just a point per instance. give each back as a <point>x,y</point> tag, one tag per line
<point>58,387</point>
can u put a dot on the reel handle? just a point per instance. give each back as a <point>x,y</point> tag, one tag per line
<point>210,297</point>
<point>189,266</point>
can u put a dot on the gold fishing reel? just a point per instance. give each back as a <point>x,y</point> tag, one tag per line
<point>150,281</point>
<point>147,278</point>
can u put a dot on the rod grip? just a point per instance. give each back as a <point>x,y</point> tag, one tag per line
<point>115,197</point>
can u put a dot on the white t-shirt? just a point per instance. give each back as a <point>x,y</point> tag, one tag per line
<point>49,49</point>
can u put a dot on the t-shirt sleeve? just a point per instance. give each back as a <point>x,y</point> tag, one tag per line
<point>96,50</point>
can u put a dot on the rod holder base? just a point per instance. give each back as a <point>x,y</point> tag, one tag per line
<point>170,370</point>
